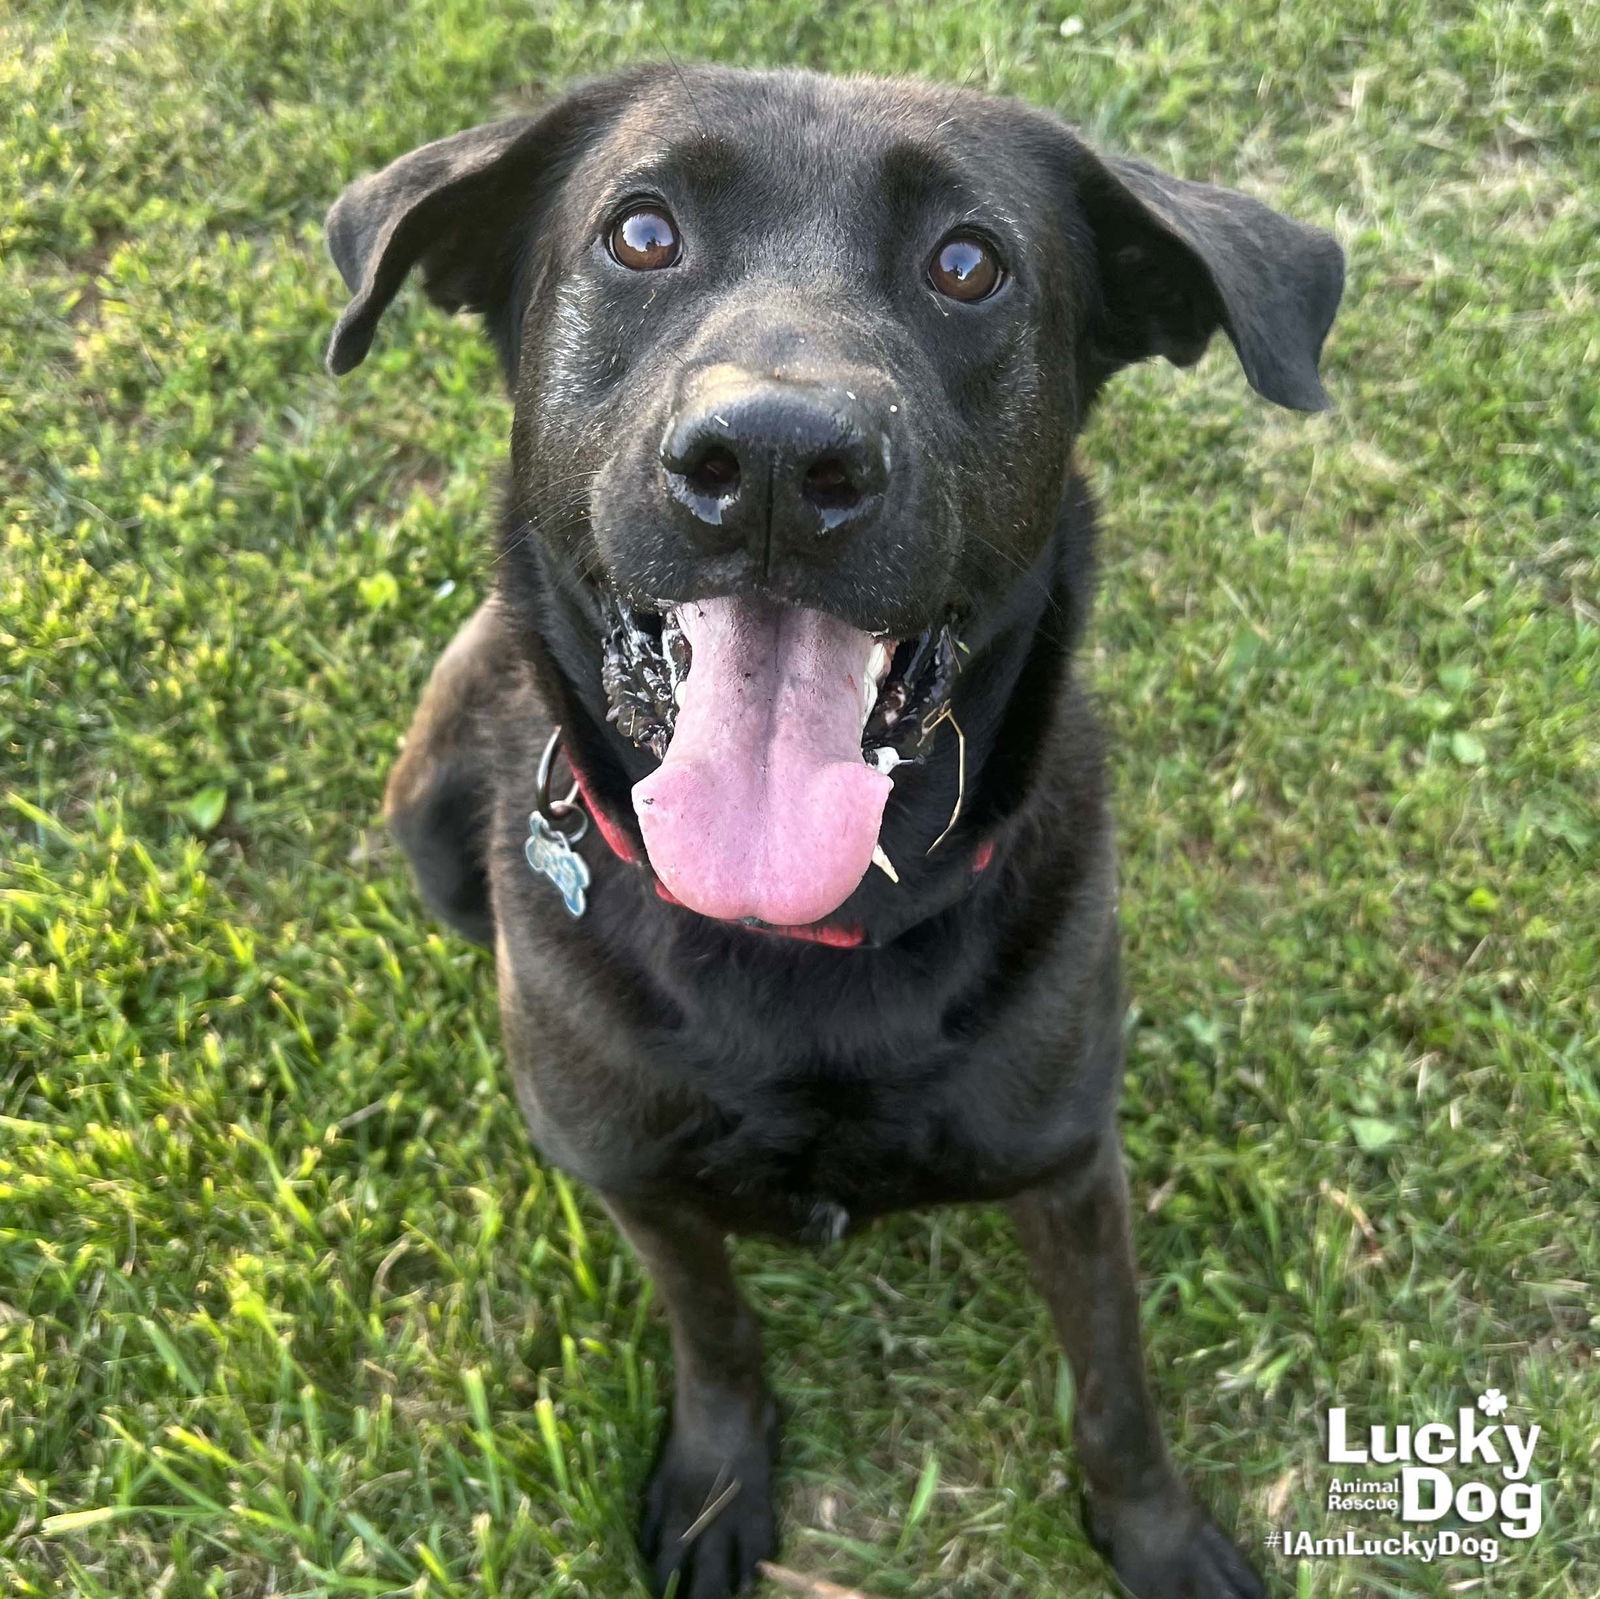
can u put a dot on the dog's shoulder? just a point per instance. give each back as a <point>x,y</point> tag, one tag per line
<point>440,793</point>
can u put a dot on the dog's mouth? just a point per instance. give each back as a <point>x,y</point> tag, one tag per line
<point>777,728</point>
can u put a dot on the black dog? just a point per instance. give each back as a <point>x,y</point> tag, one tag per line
<point>795,560</point>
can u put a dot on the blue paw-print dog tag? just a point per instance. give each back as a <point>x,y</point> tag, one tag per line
<point>550,855</point>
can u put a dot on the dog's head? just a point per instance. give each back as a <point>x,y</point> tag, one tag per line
<point>797,363</point>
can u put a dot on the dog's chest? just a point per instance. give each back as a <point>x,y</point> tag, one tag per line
<point>821,1109</point>
<point>811,1154</point>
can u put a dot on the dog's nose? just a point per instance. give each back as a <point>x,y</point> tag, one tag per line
<point>776,467</point>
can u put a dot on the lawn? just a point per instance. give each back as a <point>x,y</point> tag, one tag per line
<point>288,1307</point>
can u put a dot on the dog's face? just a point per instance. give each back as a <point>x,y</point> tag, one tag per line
<point>797,365</point>
<point>825,351</point>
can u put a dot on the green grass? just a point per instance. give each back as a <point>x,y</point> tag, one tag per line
<point>286,1305</point>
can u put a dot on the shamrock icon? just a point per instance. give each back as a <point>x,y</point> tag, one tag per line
<point>1492,1402</point>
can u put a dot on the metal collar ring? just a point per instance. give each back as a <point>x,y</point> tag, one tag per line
<point>556,811</point>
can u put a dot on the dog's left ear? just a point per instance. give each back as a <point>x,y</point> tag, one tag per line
<point>1180,259</point>
<point>464,209</point>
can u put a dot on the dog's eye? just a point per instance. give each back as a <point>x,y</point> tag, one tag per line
<point>645,240</point>
<point>965,268</point>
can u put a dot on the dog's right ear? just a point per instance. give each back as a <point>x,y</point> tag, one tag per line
<point>464,208</point>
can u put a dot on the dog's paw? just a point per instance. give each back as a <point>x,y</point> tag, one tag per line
<point>709,1521</point>
<point>1169,1548</point>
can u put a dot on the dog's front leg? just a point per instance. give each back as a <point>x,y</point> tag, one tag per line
<point>1161,1544</point>
<point>708,1508</point>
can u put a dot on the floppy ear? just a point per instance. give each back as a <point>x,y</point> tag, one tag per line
<point>465,208</point>
<point>1180,259</point>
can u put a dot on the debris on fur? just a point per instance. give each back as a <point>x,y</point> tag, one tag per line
<point>645,658</point>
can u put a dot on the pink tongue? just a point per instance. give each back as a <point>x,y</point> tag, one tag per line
<point>763,806</point>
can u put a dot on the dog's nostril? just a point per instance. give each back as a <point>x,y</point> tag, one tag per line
<point>715,474</point>
<point>830,485</point>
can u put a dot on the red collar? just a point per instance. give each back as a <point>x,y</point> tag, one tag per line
<point>837,935</point>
